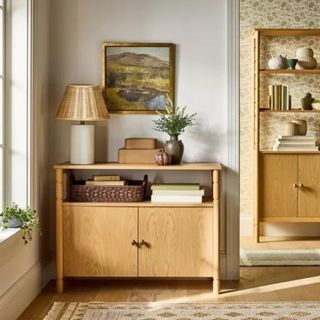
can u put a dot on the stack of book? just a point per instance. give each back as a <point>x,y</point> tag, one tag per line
<point>106,181</point>
<point>295,143</point>
<point>279,97</point>
<point>177,193</point>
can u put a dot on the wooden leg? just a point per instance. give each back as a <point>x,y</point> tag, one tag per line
<point>216,232</point>
<point>59,285</point>
<point>216,287</point>
<point>59,230</point>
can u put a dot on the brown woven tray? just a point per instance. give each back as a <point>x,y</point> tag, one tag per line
<point>133,192</point>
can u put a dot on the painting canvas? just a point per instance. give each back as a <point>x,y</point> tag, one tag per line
<point>138,78</point>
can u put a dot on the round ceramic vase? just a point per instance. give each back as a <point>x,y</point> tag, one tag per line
<point>174,148</point>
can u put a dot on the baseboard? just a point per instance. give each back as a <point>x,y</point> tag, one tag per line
<point>279,229</point>
<point>15,300</point>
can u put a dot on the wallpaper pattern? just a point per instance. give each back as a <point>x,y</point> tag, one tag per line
<point>273,14</point>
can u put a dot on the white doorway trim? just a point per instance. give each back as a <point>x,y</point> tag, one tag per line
<point>232,186</point>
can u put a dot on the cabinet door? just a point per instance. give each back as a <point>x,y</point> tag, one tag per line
<point>278,196</point>
<point>178,242</point>
<point>97,241</point>
<point>309,192</point>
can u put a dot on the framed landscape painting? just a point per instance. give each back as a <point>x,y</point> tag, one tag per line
<point>138,77</point>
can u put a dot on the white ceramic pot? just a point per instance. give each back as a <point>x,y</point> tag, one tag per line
<point>278,62</point>
<point>306,62</point>
<point>304,52</point>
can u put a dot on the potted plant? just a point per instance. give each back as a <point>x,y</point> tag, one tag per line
<point>16,217</point>
<point>174,123</point>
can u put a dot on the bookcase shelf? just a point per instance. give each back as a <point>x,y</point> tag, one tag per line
<point>280,193</point>
<point>291,111</point>
<point>289,71</point>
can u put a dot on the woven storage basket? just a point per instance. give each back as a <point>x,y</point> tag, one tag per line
<point>133,192</point>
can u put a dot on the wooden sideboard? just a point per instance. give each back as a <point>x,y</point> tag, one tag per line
<point>138,239</point>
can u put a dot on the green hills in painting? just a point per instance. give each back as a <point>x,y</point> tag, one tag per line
<point>137,82</point>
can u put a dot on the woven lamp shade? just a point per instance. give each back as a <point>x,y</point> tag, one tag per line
<point>82,103</point>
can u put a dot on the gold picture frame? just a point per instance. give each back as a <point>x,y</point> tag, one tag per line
<point>137,77</point>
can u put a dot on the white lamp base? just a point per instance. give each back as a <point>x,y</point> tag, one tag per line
<point>82,144</point>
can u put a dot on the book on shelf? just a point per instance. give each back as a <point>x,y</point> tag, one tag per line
<point>295,148</point>
<point>105,183</point>
<point>176,199</point>
<point>279,97</point>
<point>296,138</point>
<point>106,178</point>
<point>199,192</point>
<point>176,186</point>
<point>295,143</point>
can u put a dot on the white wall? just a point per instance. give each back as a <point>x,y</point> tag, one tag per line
<point>199,30</point>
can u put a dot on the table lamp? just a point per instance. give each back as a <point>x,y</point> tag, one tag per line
<point>82,103</point>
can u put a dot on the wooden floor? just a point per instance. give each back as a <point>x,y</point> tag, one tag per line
<point>256,284</point>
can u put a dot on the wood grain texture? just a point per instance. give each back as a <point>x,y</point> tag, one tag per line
<point>288,32</point>
<point>278,196</point>
<point>208,203</point>
<point>256,284</point>
<point>59,230</point>
<point>179,242</point>
<point>309,190</point>
<point>205,166</point>
<point>97,241</point>
<point>216,231</point>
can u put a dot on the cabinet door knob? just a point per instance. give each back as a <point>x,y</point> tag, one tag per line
<point>300,185</point>
<point>295,185</point>
<point>134,243</point>
<point>142,243</point>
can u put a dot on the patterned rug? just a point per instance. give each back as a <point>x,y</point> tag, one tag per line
<point>156,311</point>
<point>280,257</point>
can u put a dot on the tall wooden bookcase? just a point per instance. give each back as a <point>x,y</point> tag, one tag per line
<point>285,189</point>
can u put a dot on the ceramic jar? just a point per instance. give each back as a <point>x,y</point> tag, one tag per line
<point>162,158</point>
<point>306,59</point>
<point>291,129</point>
<point>174,148</point>
<point>302,126</point>
<point>278,62</point>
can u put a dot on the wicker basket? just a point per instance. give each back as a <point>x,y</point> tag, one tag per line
<point>133,192</point>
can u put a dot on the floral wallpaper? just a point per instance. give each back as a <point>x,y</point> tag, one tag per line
<point>304,14</point>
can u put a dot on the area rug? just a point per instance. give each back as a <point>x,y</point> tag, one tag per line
<point>280,257</point>
<point>156,311</point>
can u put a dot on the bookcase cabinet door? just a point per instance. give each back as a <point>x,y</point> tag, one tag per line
<point>278,175</point>
<point>309,180</point>
<point>97,241</point>
<point>178,242</point>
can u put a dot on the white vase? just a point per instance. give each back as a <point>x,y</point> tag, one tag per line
<point>278,62</point>
<point>304,52</point>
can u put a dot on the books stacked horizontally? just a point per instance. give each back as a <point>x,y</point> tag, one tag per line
<point>177,193</point>
<point>295,143</point>
<point>106,181</point>
<point>279,97</point>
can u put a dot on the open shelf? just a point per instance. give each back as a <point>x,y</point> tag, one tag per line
<point>289,71</point>
<point>117,166</point>
<point>288,32</point>
<point>207,203</point>
<point>291,111</point>
<point>288,152</point>
<point>290,219</point>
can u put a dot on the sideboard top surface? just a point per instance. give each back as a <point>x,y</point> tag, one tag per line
<point>197,166</point>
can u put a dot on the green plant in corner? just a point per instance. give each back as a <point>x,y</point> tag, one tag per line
<point>26,219</point>
<point>175,121</point>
